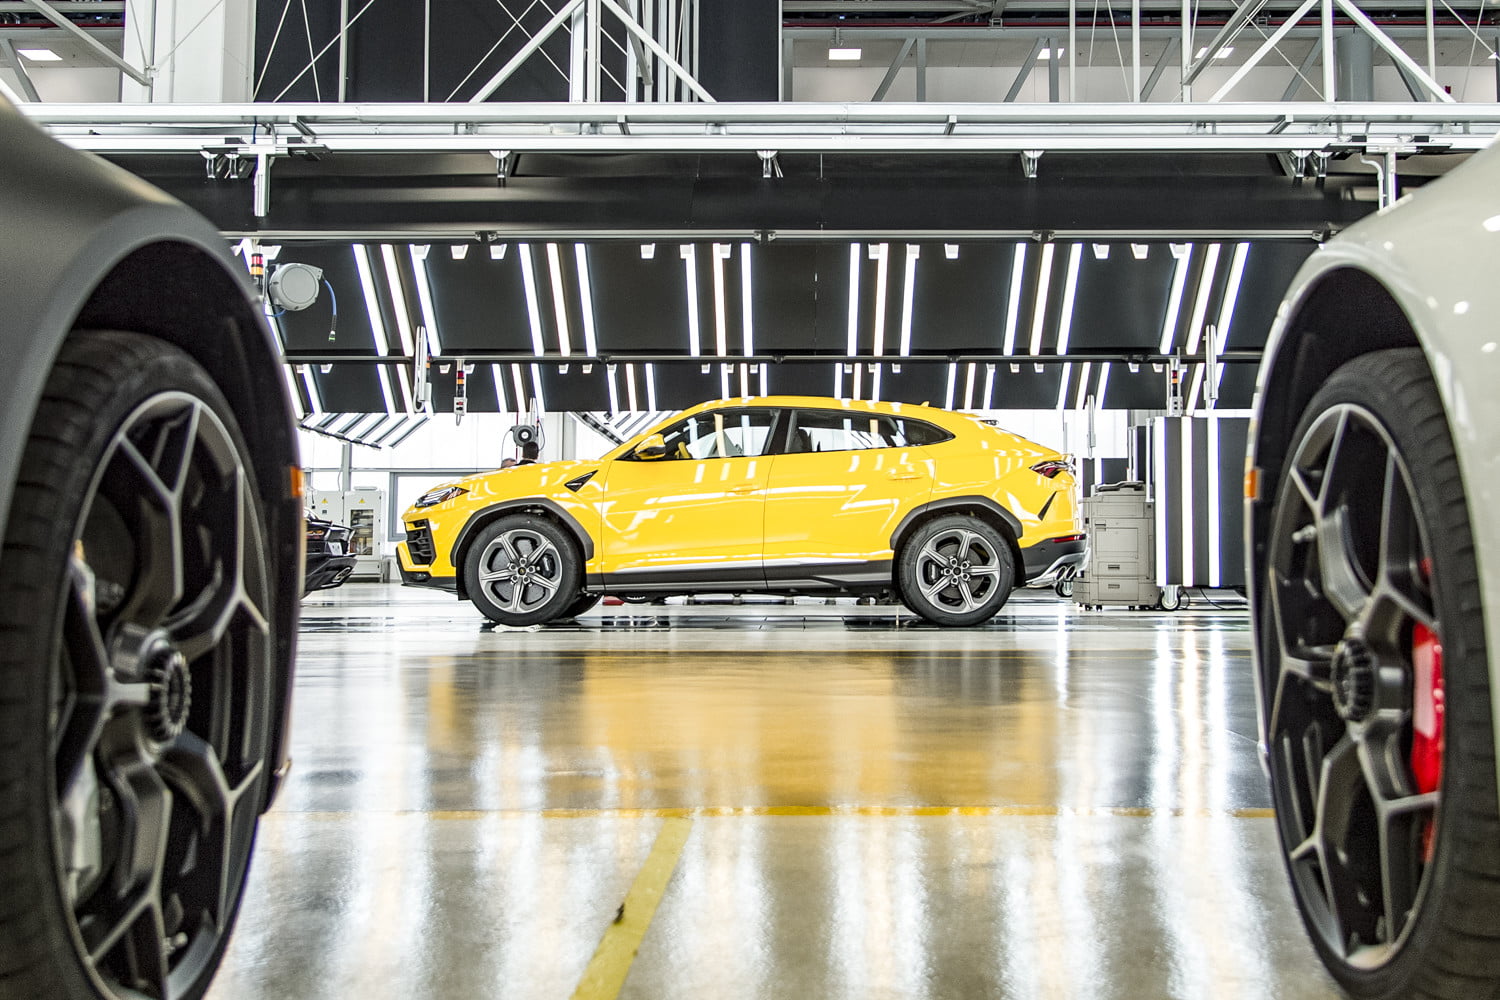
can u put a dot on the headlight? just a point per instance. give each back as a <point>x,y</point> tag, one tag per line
<point>434,497</point>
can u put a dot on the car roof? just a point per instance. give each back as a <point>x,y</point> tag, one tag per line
<point>832,403</point>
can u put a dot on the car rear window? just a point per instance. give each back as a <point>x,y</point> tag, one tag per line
<point>842,430</point>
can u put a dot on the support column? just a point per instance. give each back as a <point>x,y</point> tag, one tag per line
<point>1356,66</point>
<point>198,56</point>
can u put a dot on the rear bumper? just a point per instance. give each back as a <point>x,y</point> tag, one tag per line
<point>327,571</point>
<point>1049,556</point>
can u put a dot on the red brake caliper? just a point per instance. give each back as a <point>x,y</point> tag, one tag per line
<point>1427,716</point>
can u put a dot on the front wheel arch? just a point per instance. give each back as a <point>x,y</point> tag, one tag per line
<point>538,507</point>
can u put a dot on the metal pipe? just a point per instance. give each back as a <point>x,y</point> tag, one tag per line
<point>890,74</point>
<point>1260,53</point>
<point>661,53</point>
<point>532,44</point>
<point>1135,50</point>
<point>8,49</point>
<point>91,43</point>
<point>343,51</point>
<point>1397,54</point>
<point>1142,357</point>
<point>1225,35</point>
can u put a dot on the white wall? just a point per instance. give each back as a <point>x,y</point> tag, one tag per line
<point>957,84</point>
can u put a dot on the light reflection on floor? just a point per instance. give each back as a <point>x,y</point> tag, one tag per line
<point>1057,805</point>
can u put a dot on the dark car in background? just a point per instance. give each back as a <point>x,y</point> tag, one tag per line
<point>150,572</point>
<point>329,559</point>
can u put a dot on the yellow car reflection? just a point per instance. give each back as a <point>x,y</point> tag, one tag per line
<point>775,495</point>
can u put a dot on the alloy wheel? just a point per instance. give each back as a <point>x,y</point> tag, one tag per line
<point>1355,731</point>
<point>159,700</point>
<point>958,570</point>
<point>520,570</point>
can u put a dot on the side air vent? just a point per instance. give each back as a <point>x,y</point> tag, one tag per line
<point>577,484</point>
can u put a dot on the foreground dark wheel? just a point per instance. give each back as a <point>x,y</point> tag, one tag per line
<point>1375,670</point>
<point>523,570</point>
<point>956,570</point>
<point>136,660</point>
<point>1064,587</point>
<point>1172,599</point>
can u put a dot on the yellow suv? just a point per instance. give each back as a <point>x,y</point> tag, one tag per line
<point>774,495</point>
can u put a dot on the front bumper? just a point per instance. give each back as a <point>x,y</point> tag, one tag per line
<point>420,577</point>
<point>1050,556</point>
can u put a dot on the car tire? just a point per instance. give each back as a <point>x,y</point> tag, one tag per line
<point>137,661</point>
<point>955,571</point>
<point>523,570</point>
<point>1375,673</point>
<point>584,603</point>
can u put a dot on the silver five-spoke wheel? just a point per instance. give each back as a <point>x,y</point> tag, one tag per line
<point>523,570</point>
<point>956,570</point>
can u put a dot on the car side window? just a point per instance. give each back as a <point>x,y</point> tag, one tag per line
<point>920,432</point>
<point>842,430</point>
<point>719,434</point>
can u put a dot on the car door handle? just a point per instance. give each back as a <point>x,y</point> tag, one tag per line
<point>904,474</point>
<point>743,489</point>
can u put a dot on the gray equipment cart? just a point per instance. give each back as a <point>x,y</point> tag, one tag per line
<point>1121,568</point>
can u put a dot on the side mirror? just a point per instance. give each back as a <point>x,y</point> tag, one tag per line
<point>652,448</point>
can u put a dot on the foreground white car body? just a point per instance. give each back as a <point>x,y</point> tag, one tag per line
<point>1373,465</point>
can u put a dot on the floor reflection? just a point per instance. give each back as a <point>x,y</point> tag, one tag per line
<point>1067,807</point>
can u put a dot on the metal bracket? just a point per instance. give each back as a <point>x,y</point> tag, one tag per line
<point>1029,160</point>
<point>262,185</point>
<point>769,164</point>
<point>505,165</point>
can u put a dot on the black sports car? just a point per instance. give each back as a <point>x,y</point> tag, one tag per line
<point>329,561</point>
<point>151,515</point>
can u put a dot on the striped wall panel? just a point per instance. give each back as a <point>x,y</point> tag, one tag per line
<point>1197,466</point>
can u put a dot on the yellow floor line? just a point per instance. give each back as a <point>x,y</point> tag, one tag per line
<point>605,975</point>
<point>714,812</point>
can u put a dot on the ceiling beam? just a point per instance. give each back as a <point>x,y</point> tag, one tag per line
<point>90,42</point>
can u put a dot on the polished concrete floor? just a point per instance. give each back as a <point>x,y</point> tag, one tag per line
<point>769,802</point>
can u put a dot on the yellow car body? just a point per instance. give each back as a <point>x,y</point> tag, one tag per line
<point>778,494</point>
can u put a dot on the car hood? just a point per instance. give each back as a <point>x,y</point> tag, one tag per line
<point>536,479</point>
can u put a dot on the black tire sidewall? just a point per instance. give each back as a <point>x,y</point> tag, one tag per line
<point>570,576</point>
<point>32,591</point>
<point>908,584</point>
<point>1468,835</point>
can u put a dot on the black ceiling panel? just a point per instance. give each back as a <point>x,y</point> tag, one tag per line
<point>1145,389</point>
<point>1237,389</point>
<point>1269,267</point>
<point>352,388</point>
<point>791,288</point>
<point>480,303</point>
<point>1121,301</point>
<point>959,304</point>
<point>640,304</point>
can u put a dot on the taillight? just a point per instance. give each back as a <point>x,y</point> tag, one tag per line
<point>1051,468</point>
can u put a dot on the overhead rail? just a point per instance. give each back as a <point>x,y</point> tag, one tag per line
<point>260,132</point>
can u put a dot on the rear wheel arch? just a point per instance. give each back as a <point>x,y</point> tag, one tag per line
<point>1318,340</point>
<point>980,508</point>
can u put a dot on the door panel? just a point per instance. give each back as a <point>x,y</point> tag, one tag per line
<point>697,516</point>
<point>838,506</point>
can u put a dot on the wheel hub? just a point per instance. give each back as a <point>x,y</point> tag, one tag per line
<point>171,687</point>
<point>1354,677</point>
